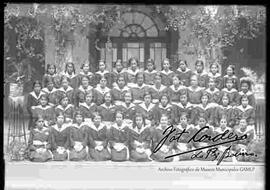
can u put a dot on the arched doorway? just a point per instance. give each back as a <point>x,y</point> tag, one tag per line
<point>138,36</point>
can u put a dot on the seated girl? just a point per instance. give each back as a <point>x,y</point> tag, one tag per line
<point>51,92</point>
<point>176,89</point>
<point>51,75</point>
<point>119,90</point>
<point>78,138</point>
<point>88,107</point>
<point>230,74</point>
<point>107,110</point>
<point>231,92</point>
<point>185,107</point>
<point>66,108</point>
<point>245,87</point>
<point>103,73</point>
<point>138,89</point>
<point>60,137</point>
<point>213,93</point>
<point>150,72</point>
<point>157,89</point>
<point>82,90</point>
<point>118,139</point>
<point>86,73</point>
<point>214,73</point>
<point>66,90</point>
<point>39,143</point>
<point>146,108</point>
<point>201,74</point>
<point>98,140</point>
<point>117,71</point>
<point>140,140</point>
<point>158,135</point>
<point>70,73</point>
<point>100,90</point>
<point>44,110</point>
<point>194,92</point>
<point>245,110</point>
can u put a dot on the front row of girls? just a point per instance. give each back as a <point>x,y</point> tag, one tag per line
<point>124,141</point>
<point>151,100</point>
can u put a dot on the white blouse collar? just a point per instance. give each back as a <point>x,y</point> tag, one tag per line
<point>143,105</point>
<point>35,96</point>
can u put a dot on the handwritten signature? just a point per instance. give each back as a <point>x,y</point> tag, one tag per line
<point>226,137</point>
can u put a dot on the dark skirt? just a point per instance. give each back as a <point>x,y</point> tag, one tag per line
<point>40,157</point>
<point>118,156</point>
<point>77,156</point>
<point>138,157</point>
<point>59,157</point>
<point>96,155</point>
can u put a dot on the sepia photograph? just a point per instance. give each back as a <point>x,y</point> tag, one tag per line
<point>134,96</point>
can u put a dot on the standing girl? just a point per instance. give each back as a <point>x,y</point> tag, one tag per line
<point>100,91</point>
<point>201,74</point>
<point>245,84</point>
<point>118,70</point>
<point>66,90</point>
<point>231,92</point>
<point>51,74</point>
<point>66,108</point>
<point>71,75</point>
<point>119,90</point>
<point>184,72</point>
<point>158,89</point>
<point>132,70</point>
<point>213,93</point>
<point>82,90</point>
<point>176,89</point>
<point>194,92</point>
<point>150,72</point>
<point>166,73</point>
<point>230,74</point>
<point>86,73</point>
<point>216,75</point>
<point>33,100</point>
<point>51,92</point>
<point>103,73</point>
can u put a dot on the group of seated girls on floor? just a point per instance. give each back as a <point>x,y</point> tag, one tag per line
<point>121,115</point>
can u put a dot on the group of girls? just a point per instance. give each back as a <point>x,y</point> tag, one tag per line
<point>121,115</point>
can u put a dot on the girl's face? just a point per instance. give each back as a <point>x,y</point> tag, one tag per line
<point>225,100</point>
<point>164,121</point>
<point>147,99</point>
<point>70,68</point>
<point>199,67</point>
<point>51,70</point>
<point>166,65</point>
<point>103,82</point>
<point>79,118</point>
<point>118,66</point>
<point>158,80</point>
<point>134,64</point>
<point>182,65</point>
<point>229,71</point>
<point>229,84</point>
<point>244,87</point>
<point>176,80</point>
<point>128,98</point>
<point>85,82</point>
<point>164,100</point>
<point>86,68</point>
<point>243,123</point>
<point>65,101</point>
<point>102,66</point>
<point>119,118</point>
<point>139,121</point>
<point>121,81</point>
<point>194,81</point>
<point>50,85</point>
<point>244,102</point>
<point>183,120</point>
<point>211,83</point>
<point>204,99</point>
<point>202,122</point>
<point>40,123</point>
<point>108,98</point>
<point>214,69</point>
<point>88,98</point>
<point>60,119</point>
<point>150,66</point>
<point>97,120</point>
<point>183,99</point>
<point>43,101</point>
<point>65,83</point>
<point>37,88</point>
<point>223,123</point>
<point>140,79</point>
